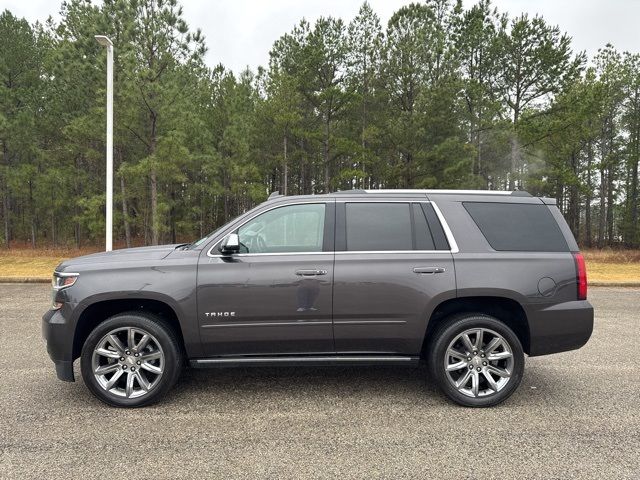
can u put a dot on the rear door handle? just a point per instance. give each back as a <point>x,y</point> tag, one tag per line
<point>310,273</point>
<point>428,270</point>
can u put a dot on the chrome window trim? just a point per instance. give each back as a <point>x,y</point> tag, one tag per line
<point>377,252</point>
<point>453,245</point>
<point>268,254</point>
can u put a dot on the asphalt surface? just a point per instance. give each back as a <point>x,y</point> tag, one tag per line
<point>575,415</point>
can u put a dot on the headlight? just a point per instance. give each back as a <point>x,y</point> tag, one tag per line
<point>63,280</point>
<point>60,281</point>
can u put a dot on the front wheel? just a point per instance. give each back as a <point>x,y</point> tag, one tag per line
<point>131,359</point>
<point>476,360</point>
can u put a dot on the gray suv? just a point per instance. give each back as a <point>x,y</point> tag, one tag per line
<point>468,281</point>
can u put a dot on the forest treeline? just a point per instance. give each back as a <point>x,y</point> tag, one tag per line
<point>440,97</point>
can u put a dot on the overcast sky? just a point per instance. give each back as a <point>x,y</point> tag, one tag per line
<point>240,33</point>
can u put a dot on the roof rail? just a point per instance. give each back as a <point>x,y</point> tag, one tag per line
<point>275,194</point>
<point>519,193</point>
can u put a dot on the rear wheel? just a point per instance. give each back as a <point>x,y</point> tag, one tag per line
<point>476,360</point>
<point>131,360</point>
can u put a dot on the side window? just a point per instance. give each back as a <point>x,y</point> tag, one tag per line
<point>294,228</point>
<point>378,226</point>
<point>518,227</point>
<point>437,232</point>
<point>423,237</point>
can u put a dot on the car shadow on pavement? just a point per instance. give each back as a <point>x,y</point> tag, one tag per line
<point>238,388</point>
<point>304,382</point>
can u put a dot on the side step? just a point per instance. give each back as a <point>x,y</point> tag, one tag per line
<point>301,360</point>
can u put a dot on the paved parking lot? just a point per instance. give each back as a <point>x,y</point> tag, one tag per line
<point>576,415</point>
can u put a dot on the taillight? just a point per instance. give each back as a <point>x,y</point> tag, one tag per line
<point>581,276</point>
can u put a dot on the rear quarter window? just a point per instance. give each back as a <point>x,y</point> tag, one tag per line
<point>517,227</point>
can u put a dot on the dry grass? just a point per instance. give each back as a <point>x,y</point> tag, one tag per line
<point>607,255</point>
<point>613,265</point>
<point>26,262</point>
<point>602,265</point>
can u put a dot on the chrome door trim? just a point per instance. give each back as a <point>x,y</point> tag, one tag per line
<point>295,360</point>
<point>269,324</point>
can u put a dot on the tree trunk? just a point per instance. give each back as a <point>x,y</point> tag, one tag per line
<point>304,174</point>
<point>285,184</point>
<point>408,181</point>
<point>155,221</point>
<point>633,195</point>
<point>226,197</point>
<point>514,161</point>
<point>515,149</point>
<point>125,213</point>
<point>53,229</point>
<point>5,215</point>
<point>363,136</point>
<point>325,156</point>
<point>574,199</point>
<point>172,218</point>
<point>632,237</point>
<point>587,206</point>
<point>5,199</point>
<point>603,207</point>
<point>610,205</point>
<point>155,236</point>
<point>32,213</point>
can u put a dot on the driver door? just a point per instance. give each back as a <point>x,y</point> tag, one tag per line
<point>275,295</point>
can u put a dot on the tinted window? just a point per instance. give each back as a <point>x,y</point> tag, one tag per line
<point>423,237</point>
<point>437,232</point>
<point>294,228</point>
<point>518,226</point>
<point>378,226</point>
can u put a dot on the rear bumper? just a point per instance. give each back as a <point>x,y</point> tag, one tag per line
<point>559,328</point>
<point>58,334</point>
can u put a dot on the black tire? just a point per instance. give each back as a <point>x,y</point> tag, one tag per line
<point>160,332</point>
<point>437,355</point>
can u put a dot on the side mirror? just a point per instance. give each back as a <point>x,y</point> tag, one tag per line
<point>230,244</point>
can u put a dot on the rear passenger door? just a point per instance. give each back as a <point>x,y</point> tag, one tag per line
<point>393,265</point>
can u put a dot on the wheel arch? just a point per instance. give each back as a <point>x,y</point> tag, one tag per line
<point>99,311</point>
<point>507,310</point>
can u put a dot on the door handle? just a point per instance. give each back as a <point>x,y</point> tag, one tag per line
<point>428,270</point>
<point>310,273</point>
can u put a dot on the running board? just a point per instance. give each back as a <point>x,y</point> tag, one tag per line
<point>308,360</point>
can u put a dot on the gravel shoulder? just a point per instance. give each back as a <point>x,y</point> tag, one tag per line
<point>576,415</point>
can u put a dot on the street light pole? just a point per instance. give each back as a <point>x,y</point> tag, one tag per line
<point>105,42</point>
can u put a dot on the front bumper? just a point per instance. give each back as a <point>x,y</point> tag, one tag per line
<point>559,328</point>
<point>58,334</point>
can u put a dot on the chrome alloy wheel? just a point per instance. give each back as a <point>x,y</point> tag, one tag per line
<point>128,362</point>
<point>479,362</point>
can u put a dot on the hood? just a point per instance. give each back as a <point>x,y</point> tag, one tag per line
<point>123,255</point>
